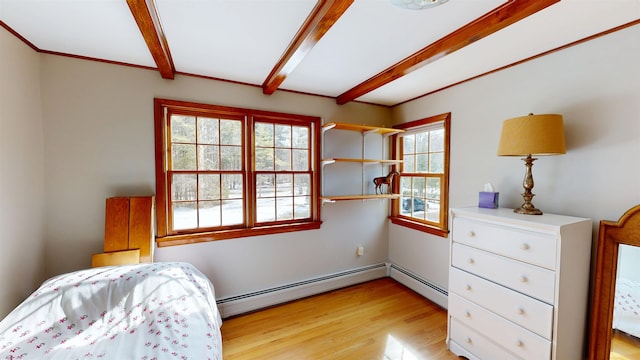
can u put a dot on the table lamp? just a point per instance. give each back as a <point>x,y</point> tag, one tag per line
<point>531,135</point>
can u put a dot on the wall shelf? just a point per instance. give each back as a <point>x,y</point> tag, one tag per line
<point>331,199</point>
<point>361,128</point>
<point>363,160</point>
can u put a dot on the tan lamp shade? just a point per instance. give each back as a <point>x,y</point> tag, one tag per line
<point>541,134</point>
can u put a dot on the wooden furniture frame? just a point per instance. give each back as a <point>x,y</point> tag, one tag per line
<point>128,231</point>
<point>626,231</point>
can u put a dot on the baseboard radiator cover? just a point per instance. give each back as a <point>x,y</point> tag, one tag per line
<point>422,286</point>
<point>244,303</point>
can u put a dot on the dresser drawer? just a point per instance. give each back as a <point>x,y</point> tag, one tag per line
<point>525,278</point>
<point>523,310</point>
<point>530,247</point>
<point>508,335</point>
<point>463,337</point>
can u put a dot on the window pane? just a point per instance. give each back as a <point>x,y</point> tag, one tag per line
<point>302,207</point>
<point>436,140</point>
<point>420,198</point>
<point>300,137</point>
<point>208,157</point>
<point>283,159</point>
<point>418,187</point>
<point>422,142</point>
<point>285,208</point>
<point>413,202</point>
<point>405,186</point>
<point>230,132</point>
<point>183,129</point>
<point>302,184</point>
<point>232,212</point>
<point>266,210</point>
<point>232,186</point>
<point>436,163</point>
<point>409,142</point>
<point>433,189</point>
<point>183,187</point>
<point>208,187</point>
<point>433,214</point>
<point>300,160</point>
<point>264,159</point>
<point>433,185</point>
<point>208,131</point>
<point>231,157</point>
<point>264,134</point>
<point>285,184</point>
<point>209,213</point>
<point>422,163</point>
<point>185,215</point>
<point>283,136</point>
<point>265,185</point>
<point>409,164</point>
<point>405,206</point>
<point>183,157</point>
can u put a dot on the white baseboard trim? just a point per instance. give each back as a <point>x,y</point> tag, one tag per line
<point>261,299</point>
<point>423,287</point>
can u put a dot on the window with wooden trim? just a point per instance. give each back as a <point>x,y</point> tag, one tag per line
<point>225,172</point>
<point>424,174</point>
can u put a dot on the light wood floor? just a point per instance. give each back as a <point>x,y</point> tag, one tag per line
<point>381,319</point>
<point>624,347</point>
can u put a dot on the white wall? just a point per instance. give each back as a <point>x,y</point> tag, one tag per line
<point>595,86</point>
<point>22,173</point>
<point>98,121</point>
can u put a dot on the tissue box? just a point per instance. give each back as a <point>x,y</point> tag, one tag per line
<point>488,200</point>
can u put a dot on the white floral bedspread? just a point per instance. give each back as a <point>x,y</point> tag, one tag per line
<point>147,311</point>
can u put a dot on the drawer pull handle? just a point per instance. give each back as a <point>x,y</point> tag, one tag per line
<point>467,314</point>
<point>471,261</point>
<point>471,233</point>
<point>468,340</point>
<point>525,246</point>
<point>469,288</point>
<point>520,343</point>
<point>521,311</point>
<point>524,279</point>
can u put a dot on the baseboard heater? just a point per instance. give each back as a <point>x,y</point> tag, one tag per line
<point>240,304</point>
<point>423,287</point>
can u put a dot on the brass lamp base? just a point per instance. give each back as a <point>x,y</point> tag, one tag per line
<point>527,207</point>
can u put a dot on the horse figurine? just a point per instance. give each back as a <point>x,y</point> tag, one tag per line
<point>385,180</point>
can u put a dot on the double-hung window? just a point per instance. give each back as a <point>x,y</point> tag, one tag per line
<point>226,172</point>
<point>424,174</point>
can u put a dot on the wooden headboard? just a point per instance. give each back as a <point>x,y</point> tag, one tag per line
<point>128,231</point>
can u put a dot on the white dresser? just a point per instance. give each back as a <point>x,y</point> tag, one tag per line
<point>518,285</point>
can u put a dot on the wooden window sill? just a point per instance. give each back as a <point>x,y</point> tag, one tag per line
<point>172,240</point>
<point>416,225</point>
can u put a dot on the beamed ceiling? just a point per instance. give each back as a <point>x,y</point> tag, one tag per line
<point>349,50</point>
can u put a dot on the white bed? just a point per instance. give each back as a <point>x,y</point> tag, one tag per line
<point>146,311</point>
<point>626,309</point>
